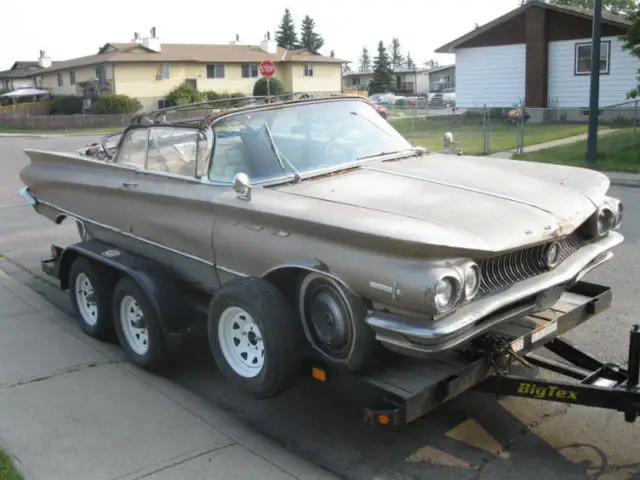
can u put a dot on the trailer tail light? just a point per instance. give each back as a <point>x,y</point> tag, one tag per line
<point>319,374</point>
<point>56,252</point>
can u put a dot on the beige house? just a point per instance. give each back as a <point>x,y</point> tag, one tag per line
<point>20,75</point>
<point>147,69</point>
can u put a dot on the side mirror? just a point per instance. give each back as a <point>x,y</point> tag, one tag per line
<point>242,186</point>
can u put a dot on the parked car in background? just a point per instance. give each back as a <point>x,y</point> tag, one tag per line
<point>384,113</point>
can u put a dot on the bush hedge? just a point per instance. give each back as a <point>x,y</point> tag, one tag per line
<point>111,104</point>
<point>276,87</point>
<point>65,105</point>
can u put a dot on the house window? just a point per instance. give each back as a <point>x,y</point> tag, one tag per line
<point>583,58</point>
<point>100,72</point>
<point>308,69</point>
<point>355,81</point>
<point>215,70</point>
<point>249,70</point>
<point>60,79</point>
<point>72,77</point>
<point>162,103</point>
<point>166,72</point>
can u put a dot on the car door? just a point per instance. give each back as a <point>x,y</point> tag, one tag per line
<point>169,208</point>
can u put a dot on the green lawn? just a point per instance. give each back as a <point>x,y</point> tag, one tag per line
<point>88,131</point>
<point>617,152</point>
<point>7,470</point>
<point>469,132</point>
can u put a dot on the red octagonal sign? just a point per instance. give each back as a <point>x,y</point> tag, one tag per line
<point>267,68</point>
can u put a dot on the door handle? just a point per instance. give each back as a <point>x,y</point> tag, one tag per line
<point>129,185</point>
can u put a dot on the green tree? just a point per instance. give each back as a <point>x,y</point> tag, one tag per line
<point>614,6</point>
<point>365,61</point>
<point>409,62</point>
<point>382,73</point>
<point>308,36</point>
<point>397,60</point>
<point>286,36</point>
<point>631,42</point>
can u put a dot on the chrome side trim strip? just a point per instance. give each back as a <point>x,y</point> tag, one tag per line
<point>144,240</point>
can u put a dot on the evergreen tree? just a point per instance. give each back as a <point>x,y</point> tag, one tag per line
<point>409,62</point>
<point>397,60</point>
<point>286,36</point>
<point>382,73</point>
<point>430,64</point>
<point>365,61</point>
<point>308,37</point>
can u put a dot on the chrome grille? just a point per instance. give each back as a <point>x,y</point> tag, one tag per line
<point>503,271</point>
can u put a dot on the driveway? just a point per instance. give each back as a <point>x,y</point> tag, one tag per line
<point>474,436</point>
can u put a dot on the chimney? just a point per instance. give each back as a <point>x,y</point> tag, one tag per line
<point>268,45</point>
<point>43,60</point>
<point>136,40</point>
<point>152,42</point>
<point>236,41</point>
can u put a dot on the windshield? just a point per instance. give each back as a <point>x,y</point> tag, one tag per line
<point>298,139</point>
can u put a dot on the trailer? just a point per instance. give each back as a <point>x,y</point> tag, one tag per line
<point>403,389</point>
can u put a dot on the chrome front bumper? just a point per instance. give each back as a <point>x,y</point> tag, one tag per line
<point>420,337</point>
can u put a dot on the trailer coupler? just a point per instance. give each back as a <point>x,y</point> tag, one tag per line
<point>602,385</point>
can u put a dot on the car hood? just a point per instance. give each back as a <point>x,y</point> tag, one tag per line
<point>484,203</point>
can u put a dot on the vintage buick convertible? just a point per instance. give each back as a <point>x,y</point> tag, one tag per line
<point>314,219</point>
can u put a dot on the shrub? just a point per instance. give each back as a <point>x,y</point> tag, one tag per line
<point>276,87</point>
<point>213,95</point>
<point>182,95</point>
<point>116,104</point>
<point>65,105</point>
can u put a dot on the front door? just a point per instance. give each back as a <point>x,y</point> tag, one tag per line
<point>192,82</point>
<point>169,209</point>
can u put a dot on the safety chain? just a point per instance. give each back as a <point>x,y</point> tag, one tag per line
<point>501,354</point>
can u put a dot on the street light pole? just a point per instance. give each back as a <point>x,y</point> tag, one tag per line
<point>592,141</point>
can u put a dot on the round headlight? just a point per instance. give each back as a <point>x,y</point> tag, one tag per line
<point>606,220</point>
<point>471,281</point>
<point>447,293</point>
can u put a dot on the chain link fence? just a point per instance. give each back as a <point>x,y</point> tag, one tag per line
<point>489,130</point>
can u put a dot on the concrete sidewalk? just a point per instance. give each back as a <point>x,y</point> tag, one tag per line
<point>73,408</point>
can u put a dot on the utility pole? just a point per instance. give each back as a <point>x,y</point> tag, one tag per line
<point>592,141</point>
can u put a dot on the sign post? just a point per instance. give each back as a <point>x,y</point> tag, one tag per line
<point>267,69</point>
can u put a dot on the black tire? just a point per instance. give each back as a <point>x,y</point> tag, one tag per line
<point>348,341</point>
<point>155,356</point>
<point>277,326</point>
<point>98,276</point>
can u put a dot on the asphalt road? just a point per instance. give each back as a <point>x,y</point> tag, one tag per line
<point>474,436</point>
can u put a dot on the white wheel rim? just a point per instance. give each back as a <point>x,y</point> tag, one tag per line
<point>241,342</point>
<point>85,298</point>
<point>130,317</point>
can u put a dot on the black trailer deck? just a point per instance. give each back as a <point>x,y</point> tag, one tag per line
<point>404,389</point>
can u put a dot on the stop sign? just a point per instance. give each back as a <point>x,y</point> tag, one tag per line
<point>266,68</point>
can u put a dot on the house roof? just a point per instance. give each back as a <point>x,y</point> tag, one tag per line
<point>607,18</point>
<point>185,52</point>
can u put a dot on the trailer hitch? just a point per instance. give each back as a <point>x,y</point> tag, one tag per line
<point>603,385</point>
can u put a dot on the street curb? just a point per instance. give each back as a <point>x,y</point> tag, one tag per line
<point>626,183</point>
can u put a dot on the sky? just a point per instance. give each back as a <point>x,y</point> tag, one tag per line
<point>74,28</point>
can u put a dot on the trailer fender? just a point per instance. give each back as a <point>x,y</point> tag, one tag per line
<point>156,282</point>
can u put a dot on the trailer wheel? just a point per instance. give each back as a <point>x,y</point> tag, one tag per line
<point>90,295</point>
<point>138,326</point>
<point>255,337</point>
<point>334,321</point>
